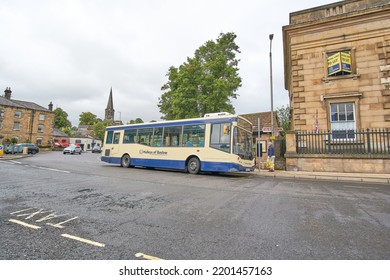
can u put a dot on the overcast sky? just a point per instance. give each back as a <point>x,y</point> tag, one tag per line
<point>73,52</point>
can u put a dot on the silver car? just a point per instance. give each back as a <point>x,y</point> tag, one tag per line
<point>72,149</point>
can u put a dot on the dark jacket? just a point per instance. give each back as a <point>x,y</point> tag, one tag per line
<point>271,151</point>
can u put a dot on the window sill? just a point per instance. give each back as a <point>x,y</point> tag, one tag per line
<point>345,77</point>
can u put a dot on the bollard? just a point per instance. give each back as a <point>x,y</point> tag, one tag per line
<point>25,150</point>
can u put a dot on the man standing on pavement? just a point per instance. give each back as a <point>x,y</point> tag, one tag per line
<point>271,157</point>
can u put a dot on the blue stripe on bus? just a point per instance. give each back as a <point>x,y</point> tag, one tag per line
<point>180,164</point>
<point>170,124</point>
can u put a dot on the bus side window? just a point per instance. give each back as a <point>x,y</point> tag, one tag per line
<point>116,138</point>
<point>157,137</point>
<point>109,137</point>
<point>172,136</point>
<point>193,135</point>
<point>220,137</point>
<point>145,136</point>
<point>130,136</point>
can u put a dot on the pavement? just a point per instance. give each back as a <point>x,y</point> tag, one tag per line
<point>327,176</point>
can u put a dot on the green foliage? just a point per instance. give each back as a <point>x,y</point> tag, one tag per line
<point>137,120</point>
<point>14,140</point>
<point>99,129</point>
<point>284,118</point>
<point>205,83</point>
<point>68,131</point>
<point>61,119</point>
<point>87,118</point>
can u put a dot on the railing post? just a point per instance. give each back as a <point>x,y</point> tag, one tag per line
<point>329,151</point>
<point>296,142</point>
<point>368,141</point>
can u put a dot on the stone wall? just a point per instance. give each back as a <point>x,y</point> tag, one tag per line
<point>323,163</point>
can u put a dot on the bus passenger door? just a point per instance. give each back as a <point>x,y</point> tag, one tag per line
<point>115,144</point>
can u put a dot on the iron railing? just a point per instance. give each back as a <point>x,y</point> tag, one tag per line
<point>375,141</point>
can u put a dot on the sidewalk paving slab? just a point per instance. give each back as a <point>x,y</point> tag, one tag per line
<point>330,176</point>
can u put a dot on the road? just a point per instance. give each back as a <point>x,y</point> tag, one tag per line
<point>55,206</point>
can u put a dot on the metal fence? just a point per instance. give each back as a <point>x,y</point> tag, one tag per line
<point>376,141</point>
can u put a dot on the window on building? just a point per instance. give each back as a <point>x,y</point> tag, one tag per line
<point>339,63</point>
<point>41,117</point>
<point>39,141</point>
<point>342,119</point>
<point>16,126</point>
<point>18,114</point>
<point>1,124</point>
<point>1,113</point>
<point>40,127</point>
<point>220,136</point>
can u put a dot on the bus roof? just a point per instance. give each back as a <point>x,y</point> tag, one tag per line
<point>209,118</point>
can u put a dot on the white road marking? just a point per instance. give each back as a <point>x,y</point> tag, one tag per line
<point>13,213</point>
<point>94,243</point>
<point>59,225</point>
<point>24,224</point>
<point>52,169</point>
<point>148,257</point>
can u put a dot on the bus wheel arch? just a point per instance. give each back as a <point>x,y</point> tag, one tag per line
<point>193,165</point>
<point>126,161</point>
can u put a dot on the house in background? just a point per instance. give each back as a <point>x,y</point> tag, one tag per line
<point>337,69</point>
<point>60,139</point>
<point>27,121</point>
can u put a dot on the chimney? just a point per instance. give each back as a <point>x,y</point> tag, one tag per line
<point>50,106</point>
<point>7,93</point>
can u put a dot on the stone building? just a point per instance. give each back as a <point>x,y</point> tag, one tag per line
<point>24,120</point>
<point>337,68</point>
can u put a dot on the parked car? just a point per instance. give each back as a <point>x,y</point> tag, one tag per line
<point>8,149</point>
<point>97,149</point>
<point>18,148</point>
<point>72,149</point>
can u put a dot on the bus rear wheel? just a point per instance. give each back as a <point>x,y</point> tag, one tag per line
<point>193,165</point>
<point>125,161</point>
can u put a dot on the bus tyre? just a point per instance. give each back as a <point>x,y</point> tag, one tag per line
<point>125,161</point>
<point>193,166</point>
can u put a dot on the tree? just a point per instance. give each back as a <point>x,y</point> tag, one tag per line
<point>61,119</point>
<point>203,84</point>
<point>87,118</point>
<point>99,129</point>
<point>284,118</point>
<point>137,120</point>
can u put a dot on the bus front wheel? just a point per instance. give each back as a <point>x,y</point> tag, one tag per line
<point>193,165</point>
<point>125,161</point>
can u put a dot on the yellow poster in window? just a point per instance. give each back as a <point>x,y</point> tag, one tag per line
<point>334,63</point>
<point>346,62</point>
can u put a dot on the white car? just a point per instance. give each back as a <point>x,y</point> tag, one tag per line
<point>72,149</point>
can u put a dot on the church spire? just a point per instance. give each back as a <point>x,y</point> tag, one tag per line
<point>109,115</point>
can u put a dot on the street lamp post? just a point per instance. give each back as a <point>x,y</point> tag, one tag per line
<point>271,36</point>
